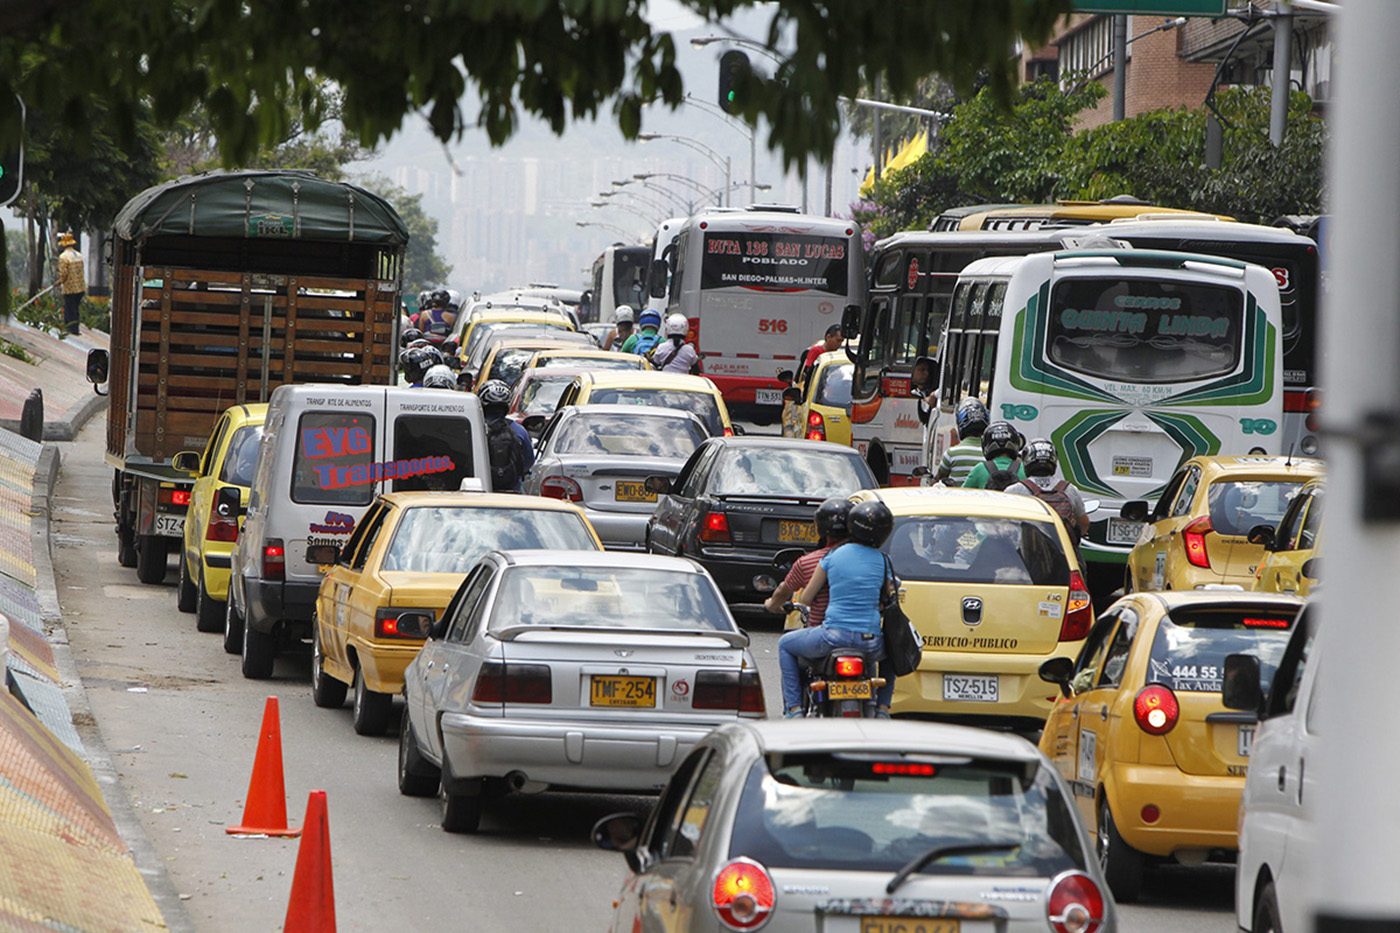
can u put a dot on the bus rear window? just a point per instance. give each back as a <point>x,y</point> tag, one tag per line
<point>775,262</point>
<point>1188,654</point>
<point>1144,330</point>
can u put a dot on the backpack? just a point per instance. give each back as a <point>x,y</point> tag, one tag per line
<point>1058,500</point>
<point>1000,479</point>
<point>503,449</point>
<point>645,342</point>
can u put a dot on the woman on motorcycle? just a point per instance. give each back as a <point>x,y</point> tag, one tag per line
<point>856,575</point>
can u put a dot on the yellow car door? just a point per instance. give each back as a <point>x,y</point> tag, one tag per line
<point>361,598</point>
<point>202,496</point>
<point>1161,550</point>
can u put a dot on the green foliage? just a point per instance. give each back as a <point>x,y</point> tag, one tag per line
<point>16,351</point>
<point>423,267</point>
<point>46,313</point>
<point>254,64</point>
<point>17,261</point>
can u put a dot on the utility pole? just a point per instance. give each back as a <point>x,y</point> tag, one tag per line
<point>1355,810</point>
<point>1283,68</point>
<point>1120,66</point>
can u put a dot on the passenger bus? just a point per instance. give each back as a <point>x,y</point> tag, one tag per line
<point>619,278</point>
<point>1130,361</point>
<point>759,287</point>
<point>1008,217</point>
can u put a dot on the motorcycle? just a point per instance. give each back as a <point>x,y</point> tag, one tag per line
<point>840,685</point>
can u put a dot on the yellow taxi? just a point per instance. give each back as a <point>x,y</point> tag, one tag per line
<point>993,585</point>
<point>1198,533</point>
<point>818,408</point>
<point>478,326</point>
<point>399,569</point>
<point>1154,759</point>
<point>584,358</point>
<point>694,394</point>
<point>1289,564</point>
<point>228,460</point>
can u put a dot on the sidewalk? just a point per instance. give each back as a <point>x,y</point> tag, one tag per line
<point>58,369</point>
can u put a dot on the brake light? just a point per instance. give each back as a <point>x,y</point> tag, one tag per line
<point>1252,622</point>
<point>498,682</point>
<point>1079,613</point>
<point>274,560</point>
<point>1075,904</point>
<point>1313,403</point>
<point>715,529</point>
<point>816,426</point>
<point>903,768</point>
<point>850,666</point>
<point>1193,536</point>
<point>561,487</point>
<point>692,333</point>
<point>743,895</point>
<point>168,495</point>
<point>386,621</point>
<point>728,432</point>
<point>221,527</point>
<point>729,690</point>
<point>1155,709</point>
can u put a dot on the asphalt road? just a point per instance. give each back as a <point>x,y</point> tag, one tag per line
<point>181,725</point>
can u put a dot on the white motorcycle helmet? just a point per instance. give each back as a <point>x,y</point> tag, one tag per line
<point>624,315</point>
<point>677,325</point>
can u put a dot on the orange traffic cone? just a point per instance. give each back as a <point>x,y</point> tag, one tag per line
<point>311,908</point>
<point>265,811</point>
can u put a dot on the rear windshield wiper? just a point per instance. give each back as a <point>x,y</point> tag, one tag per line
<point>944,851</point>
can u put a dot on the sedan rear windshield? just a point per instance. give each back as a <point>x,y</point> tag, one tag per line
<point>446,539</point>
<point>590,362</point>
<point>878,812</point>
<point>540,396</point>
<point>613,435</point>
<point>789,471</point>
<point>1188,654</point>
<point>1236,507</point>
<point>610,597</point>
<point>701,404</point>
<point>957,549</point>
<point>835,386</point>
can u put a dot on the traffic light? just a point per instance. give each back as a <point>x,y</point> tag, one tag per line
<point>734,75</point>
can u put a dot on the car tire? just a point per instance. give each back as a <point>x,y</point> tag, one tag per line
<point>208,612</point>
<point>326,691</point>
<point>1266,912</point>
<point>152,555</point>
<point>372,710</point>
<point>461,813</point>
<point>185,594</point>
<point>233,625</point>
<point>1122,864</point>
<point>418,777</point>
<point>259,652</point>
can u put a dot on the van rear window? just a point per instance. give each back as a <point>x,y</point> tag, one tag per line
<point>1188,653</point>
<point>433,439</point>
<point>334,451</point>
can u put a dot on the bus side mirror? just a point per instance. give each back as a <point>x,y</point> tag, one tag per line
<point>850,322</point>
<point>228,502</point>
<point>785,375</point>
<point>659,271</point>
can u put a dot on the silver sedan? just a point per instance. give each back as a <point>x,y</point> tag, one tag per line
<point>845,825</point>
<point>599,456</point>
<point>570,669</point>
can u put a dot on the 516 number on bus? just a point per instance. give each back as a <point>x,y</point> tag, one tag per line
<point>772,326</point>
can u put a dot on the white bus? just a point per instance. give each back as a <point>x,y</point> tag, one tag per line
<point>619,278</point>
<point>1131,361</point>
<point>759,287</point>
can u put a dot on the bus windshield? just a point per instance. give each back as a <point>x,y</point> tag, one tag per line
<point>774,262</point>
<point>1144,330</point>
<point>629,276</point>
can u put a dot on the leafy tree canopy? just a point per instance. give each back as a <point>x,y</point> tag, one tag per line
<point>423,267</point>
<point>253,63</point>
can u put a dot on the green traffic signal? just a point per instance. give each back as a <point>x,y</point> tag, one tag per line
<point>734,72</point>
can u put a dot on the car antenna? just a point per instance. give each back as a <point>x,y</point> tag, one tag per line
<point>1289,461</point>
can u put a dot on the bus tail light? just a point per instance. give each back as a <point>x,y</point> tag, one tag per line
<point>1156,710</point>
<point>692,332</point>
<point>1311,405</point>
<point>743,895</point>
<point>561,487</point>
<point>1193,538</point>
<point>1079,614</point>
<point>714,529</point>
<point>816,426</point>
<point>274,559</point>
<point>1075,904</point>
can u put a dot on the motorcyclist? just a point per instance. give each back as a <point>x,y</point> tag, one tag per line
<point>1041,463</point>
<point>831,530</point>
<point>856,573</point>
<point>439,376</point>
<point>415,362</point>
<point>437,321</point>
<point>623,319</point>
<point>676,356</point>
<point>507,443</point>
<point>646,337</point>
<point>1001,464</point>
<point>971,419</point>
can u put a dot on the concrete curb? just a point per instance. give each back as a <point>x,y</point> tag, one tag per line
<point>68,428</point>
<point>143,853</point>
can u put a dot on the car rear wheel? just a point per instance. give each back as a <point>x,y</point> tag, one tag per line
<point>233,625</point>
<point>1122,864</point>
<point>208,612</point>
<point>259,652</point>
<point>185,594</point>
<point>418,777</point>
<point>372,709</point>
<point>461,813</point>
<point>152,555</point>
<point>1266,913</point>
<point>326,691</point>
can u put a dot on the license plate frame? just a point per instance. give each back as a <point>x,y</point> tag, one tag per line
<point>848,690</point>
<point>1244,740</point>
<point>169,526</point>
<point>910,925</point>
<point>632,491</point>
<point>768,396</point>
<point>1122,531</point>
<point>795,532</point>
<point>632,697</point>
<point>971,688</point>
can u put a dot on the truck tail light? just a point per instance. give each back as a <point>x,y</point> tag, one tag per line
<point>498,682</point>
<point>168,495</point>
<point>1311,404</point>
<point>816,426</point>
<point>1193,537</point>
<point>1075,904</point>
<point>743,895</point>
<point>1156,710</point>
<point>1079,614</point>
<point>274,559</point>
<point>561,487</point>
<point>729,690</point>
<point>714,528</point>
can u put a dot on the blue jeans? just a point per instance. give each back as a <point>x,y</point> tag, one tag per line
<point>814,643</point>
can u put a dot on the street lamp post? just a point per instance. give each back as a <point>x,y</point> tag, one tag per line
<point>656,205</point>
<point>747,134</point>
<point>651,221</point>
<point>698,146</point>
<point>606,226</point>
<point>674,201</point>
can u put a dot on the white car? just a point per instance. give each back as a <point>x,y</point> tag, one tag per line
<point>574,669</point>
<point>1275,832</point>
<point>599,456</point>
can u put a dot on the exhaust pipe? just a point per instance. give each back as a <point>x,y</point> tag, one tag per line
<point>517,780</point>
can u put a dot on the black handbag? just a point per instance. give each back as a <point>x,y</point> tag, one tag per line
<point>904,647</point>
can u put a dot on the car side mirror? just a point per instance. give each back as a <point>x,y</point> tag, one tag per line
<point>1241,687</point>
<point>438,629</point>
<point>657,484</point>
<point>1134,510</point>
<point>415,623</point>
<point>792,394</point>
<point>1262,534</point>
<point>186,461</point>
<point>228,502</point>
<point>534,424</point>
<point>850,322</point>
<point>98,363</point>
<point>739,430</point>
<point>323,554</point>
<point>785,375</point>
<point>919,472</point>
<point>1312,568</point>
<point>1058,671</point>
<point>620,832</point>
<point>659,271</point>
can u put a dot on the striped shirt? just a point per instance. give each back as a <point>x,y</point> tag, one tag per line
<point>800,575</point>
<point>959,460</point>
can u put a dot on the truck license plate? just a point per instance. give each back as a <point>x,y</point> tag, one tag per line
<point>768,396</point>
<point>976,689</point>
<point>170,526</point>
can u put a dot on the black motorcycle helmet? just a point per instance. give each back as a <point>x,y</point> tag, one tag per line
<point>831,517</point>
<point>971,417</point>
<point>441,297</point>
<point>1040,458</point>
<point>409,335</point>
<point>870,522</point>
<point>415,361</point>
<point>1000,440</point>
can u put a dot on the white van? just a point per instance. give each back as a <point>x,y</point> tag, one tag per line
<point>326,452</point>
